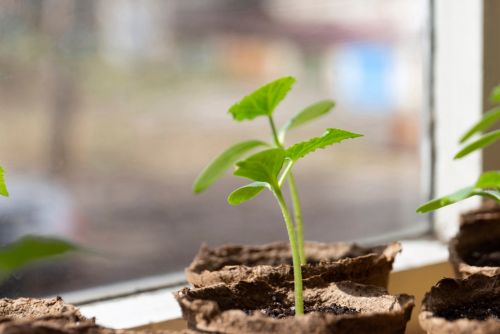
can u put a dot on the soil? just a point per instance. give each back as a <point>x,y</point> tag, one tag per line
<point>478,310</point>
<point>486,256</point>
<point>475,249</point>
<point>280,311</point>
<point>470,305</point>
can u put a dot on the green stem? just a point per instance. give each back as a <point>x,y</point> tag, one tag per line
<point>285,173</point>
<point>275,133</point>
<point>297,270</point>
<point>297,210</point>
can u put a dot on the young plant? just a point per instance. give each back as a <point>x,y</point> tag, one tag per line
<point>272,167</point>
<point>262,103</point>
<point>488,183</point>
<point>27,249</point>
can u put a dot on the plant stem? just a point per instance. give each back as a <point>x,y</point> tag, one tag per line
<point>275,133</point>
<point>285,173</point>
<point>297,269</point>
<point>297,210</point>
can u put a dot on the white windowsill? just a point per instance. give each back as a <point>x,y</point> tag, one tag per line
<point>139,306</point>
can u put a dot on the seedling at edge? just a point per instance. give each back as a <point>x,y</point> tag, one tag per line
<point>488,183</point>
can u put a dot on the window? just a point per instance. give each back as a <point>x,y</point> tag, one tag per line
<point>110,111</point>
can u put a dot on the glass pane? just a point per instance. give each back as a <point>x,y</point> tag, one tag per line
<point>111,110</point>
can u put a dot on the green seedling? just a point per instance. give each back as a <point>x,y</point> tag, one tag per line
<point>488,183</point>
<point>271,167</point>
<point>27,249</point>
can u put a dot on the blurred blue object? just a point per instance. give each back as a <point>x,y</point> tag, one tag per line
<point>364,76</point>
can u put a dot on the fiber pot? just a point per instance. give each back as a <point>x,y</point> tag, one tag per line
<point>476,247</point>
<point>273,263</point>
<point>462,306</point>
<point>29,315</point>
<point>50,316</point>
<point>258,307</point>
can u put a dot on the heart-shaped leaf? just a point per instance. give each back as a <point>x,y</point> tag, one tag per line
<point>262,166</point>
<point>263,101</point>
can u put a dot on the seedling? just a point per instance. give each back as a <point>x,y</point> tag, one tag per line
<point>272,167</point>
<point>27,249</point>
<point>488,183</point>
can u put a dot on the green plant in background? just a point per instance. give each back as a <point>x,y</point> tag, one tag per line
<point>488,183</point>
<point>29,248</point>
<point>272,167</point>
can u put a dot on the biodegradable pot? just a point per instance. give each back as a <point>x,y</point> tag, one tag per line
<point>273,263</point>
<point>50,316</point>
<point>476,247</point>
<point>33,309</point>
<point>29,315</point>
<point>245,307</point>
<point>445,306</point>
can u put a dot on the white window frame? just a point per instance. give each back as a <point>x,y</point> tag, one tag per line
<point>465,68</point>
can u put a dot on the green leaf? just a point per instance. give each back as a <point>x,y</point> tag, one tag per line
<point>263,101</point>
<point>3,187</point>
<point>490,193</point>
<point>247,192</point>
<point>489,180</point>
<point>483,124</point>
<point>483,141</point>
<point>29,249</point>
<point>446,200</point>
<point>223,162</point>
<point>263,166</point>
<point>310,113</point>
<point>331,136</point>
<point>457,197</point>
<point>495,95</point>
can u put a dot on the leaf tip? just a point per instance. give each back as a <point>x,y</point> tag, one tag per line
<point>231,202</point>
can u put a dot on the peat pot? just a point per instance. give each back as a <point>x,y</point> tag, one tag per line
<point>476,247</point>
<point>29,315</point>
<point>273,263</point>
<point>470,305</point>
<point>257,307</point>
<point>50,316</point>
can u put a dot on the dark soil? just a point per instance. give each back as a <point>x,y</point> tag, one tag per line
<point>487,256</point>
<point>479,310</point>
<point>279,311</point>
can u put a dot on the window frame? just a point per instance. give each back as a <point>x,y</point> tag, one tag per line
<point>463,71</point>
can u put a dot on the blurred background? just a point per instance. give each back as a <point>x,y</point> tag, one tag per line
<point>110,109</point>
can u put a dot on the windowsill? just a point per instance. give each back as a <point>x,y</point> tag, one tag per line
<point>138,303</point>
